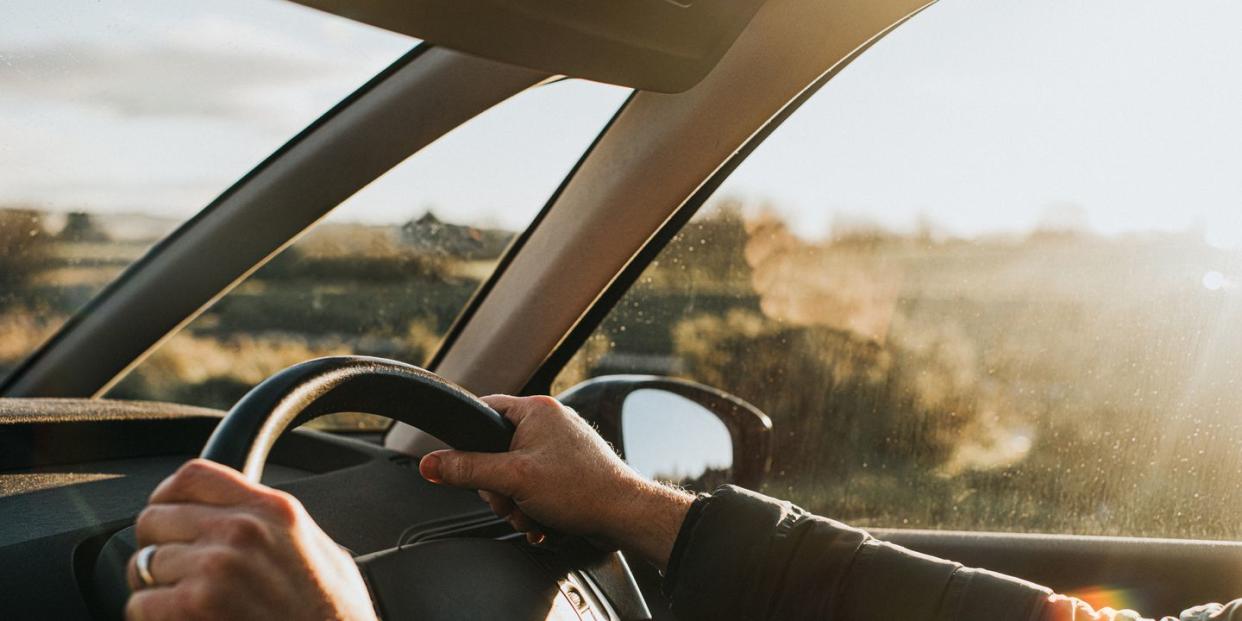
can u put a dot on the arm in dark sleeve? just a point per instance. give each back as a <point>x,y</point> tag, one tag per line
<point>742,555</point>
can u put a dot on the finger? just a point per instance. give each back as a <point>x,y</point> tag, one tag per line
<point>152,605</point>
<point>491,471</point>
<point>166,523</point>
<point>500,504</point>
<point>522,523</point>
<point>207,482</point>
<point>535,539</point>
<point>508,406</point>
<point>168,565</point>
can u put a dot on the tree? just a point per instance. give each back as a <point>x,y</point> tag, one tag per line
<point>81,227</point>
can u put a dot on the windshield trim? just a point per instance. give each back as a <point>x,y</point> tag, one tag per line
<point>540,382</point>
<point>515,247</point>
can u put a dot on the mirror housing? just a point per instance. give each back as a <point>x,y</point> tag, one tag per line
<point>657,45</point>
<point>601,401</point>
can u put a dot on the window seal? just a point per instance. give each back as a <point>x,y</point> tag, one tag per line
<point>515,247</point>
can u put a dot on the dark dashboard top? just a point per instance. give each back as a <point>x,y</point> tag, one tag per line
<point>74,473</point>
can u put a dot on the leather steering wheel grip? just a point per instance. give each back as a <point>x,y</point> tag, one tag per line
<point>322,386</point>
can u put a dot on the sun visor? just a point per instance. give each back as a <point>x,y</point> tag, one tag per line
<point>656,45</point>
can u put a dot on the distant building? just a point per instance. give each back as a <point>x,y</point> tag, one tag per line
<point>428,234</point>
<point>81,227</point>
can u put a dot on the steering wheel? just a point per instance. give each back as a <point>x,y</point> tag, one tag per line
<point>493,578</point>
<point>315,388</point>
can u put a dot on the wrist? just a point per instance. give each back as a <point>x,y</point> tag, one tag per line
<point>648,520</point>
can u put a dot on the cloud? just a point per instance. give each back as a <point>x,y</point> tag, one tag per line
<point>138,82</point>
<point>210,67</point>
<point>158,105</point>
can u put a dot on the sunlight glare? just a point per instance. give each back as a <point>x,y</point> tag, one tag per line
<point>1215,281</point>
<point>1228,237</point>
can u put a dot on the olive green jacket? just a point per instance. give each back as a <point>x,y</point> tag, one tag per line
<point>742,555</point>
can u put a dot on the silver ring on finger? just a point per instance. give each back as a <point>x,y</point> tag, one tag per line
<point>143,563</point>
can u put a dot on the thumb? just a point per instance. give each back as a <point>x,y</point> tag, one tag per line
<point>489,471</point>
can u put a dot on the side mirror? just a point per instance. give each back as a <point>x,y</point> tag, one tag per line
<point>677,430</point>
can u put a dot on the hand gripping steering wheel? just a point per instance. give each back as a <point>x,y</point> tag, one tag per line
<point>411,395</point>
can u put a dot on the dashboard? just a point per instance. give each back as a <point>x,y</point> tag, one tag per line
<point>75,472</point>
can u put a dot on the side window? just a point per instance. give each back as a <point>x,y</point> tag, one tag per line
<point>389,269</point>
<point>960,314</point>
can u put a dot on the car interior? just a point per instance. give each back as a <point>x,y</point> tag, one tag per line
<point>711,84</point>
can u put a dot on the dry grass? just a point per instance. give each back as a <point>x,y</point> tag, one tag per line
<point>1069,383</point>
<point>245,359</point>
<point>21,332</point>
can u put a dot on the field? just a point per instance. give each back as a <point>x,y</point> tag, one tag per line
<point>1053,382</point>
<point>1056,381</point>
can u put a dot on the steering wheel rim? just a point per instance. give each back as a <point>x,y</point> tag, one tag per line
<point>245,436</point>
<point>308,390</point>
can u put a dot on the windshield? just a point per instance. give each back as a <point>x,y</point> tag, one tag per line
<point>392,267</point>
<point>121,120</point>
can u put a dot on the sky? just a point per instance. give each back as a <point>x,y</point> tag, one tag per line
<point>990,115</point>
<point>979,116</point>
<point>671,436</point>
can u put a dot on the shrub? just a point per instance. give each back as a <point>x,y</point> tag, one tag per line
<point>25,244</point>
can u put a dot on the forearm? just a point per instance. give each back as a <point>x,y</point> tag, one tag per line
<point>647,522</point>
<point>748,556</point>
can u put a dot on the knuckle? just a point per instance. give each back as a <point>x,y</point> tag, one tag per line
<point>544,402</point>
<point>196,600</point>
<point>146,519</point>
<point>284,508</point>
<point>243,529</point>
<point>219,562</point>
<point>139,607</point>
<point>194,470</point>
<point>459,470</point>
<point>186,477</point>
<point>143,521</point>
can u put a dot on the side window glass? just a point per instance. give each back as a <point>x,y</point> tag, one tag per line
<point>389,270</point>
<point>119,120</point>
<point>974,307</point>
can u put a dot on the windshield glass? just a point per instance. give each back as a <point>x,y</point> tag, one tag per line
<point>391,268</point>
<point>120,120</point>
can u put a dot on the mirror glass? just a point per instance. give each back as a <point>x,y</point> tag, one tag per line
<point>671,438</point>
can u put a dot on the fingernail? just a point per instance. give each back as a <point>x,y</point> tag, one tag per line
<point>429,467</point>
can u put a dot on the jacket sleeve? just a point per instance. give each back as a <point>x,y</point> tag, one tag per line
<point>742,555</point>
